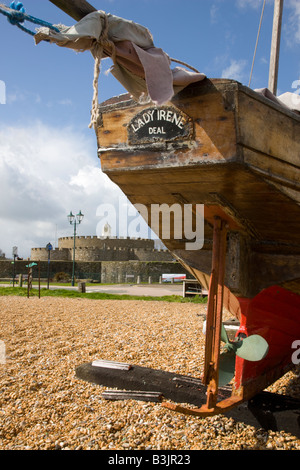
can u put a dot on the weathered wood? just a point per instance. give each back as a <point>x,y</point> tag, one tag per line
<point>275,47</point>
<point>240,191</point>
<point>132,395</point>
<point>241,162</point>
<point>186,389</point>
<point>77,9</point>
<point>243,150</point>
<point>114,131</point>
<point>111,364</point>
<point>261,130</point>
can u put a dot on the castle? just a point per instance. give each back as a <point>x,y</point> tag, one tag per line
<point>103,248</point>
<point>105,259</point>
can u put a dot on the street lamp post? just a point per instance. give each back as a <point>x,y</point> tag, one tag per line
<point>15,254</point>
<point>49,247</point>
<point>74,220</point>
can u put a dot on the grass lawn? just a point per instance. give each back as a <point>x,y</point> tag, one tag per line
<point>22,291</point>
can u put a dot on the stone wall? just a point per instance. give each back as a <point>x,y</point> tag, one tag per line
<point>59,254</point>
<point>102,249</point>
<point>115,272</point>
<point>101,271</point>
<point>105,242</point>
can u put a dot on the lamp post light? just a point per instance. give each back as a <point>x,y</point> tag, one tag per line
<point>74,220</point>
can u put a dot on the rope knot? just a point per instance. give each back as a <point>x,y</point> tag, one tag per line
<point>18,16</point>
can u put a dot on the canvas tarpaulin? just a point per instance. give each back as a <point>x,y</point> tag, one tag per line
<point>142,68</point>
<point>288,100</point>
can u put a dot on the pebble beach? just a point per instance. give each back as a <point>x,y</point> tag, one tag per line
<point>44,406</point>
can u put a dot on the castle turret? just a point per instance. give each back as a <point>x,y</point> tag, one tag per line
<point>106,231</point>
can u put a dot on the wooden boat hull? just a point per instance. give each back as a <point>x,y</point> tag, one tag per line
<point>237,154</point>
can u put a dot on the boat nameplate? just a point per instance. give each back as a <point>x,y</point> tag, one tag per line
<point>159,124</point>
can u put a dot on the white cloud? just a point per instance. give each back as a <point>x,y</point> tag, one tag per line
<point>45,173</point>
<point>235,70</point>
<point>65,102</point>
<point>292,29</point>
<point>214,14</point>
<point>291,17</point>
<point>22,96</point>
<point>250,3</point>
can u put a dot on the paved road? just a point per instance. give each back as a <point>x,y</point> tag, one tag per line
<point>139,289</point>
<point>154,290</point>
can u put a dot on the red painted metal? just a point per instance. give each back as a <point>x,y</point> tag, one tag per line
<point>274,314</point>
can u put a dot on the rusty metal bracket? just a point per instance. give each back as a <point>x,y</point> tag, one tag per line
<point>213,332</point>
<point>220,408</point>
<point>214,313</point>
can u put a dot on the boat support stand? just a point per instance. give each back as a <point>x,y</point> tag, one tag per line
<point>213,332</point>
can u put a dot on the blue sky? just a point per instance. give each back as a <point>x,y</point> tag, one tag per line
<point>48,155</point>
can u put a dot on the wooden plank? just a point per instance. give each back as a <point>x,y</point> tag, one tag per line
<point>132,395</point>
<point>275,47</point>
<point>292,193</point>
<point>77,9</point>
<point>212,119</point>
<point>189,381</point>
<point>242,163</point>
<point>281,172</point>
<point>268,130</point>
<point>230,176</point>
<point>111,364</point>
<point>274,268</point>
<point>239,195</point>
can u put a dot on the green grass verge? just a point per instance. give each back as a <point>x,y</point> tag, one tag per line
<point>22,291</point>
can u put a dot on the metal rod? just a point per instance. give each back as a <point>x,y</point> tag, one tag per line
<point>14,270</point>
<point>39,266</point>
<point>28,281</point>
<point>73,267</point>
<point>48,270</point>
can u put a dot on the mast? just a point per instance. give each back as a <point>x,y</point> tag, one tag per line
<point>77,9</point>
<point>275,47</point>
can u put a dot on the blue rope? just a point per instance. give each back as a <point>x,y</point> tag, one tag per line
<point>16,16</point>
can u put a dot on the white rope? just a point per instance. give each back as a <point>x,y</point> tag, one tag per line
<point>258,34</point>
<point>98,51</point>
<point>185,64</point>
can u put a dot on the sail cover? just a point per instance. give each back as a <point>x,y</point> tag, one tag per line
<point>287,100</point>
<point>142,68</point>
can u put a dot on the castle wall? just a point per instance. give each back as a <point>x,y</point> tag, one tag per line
<point>117,272</point>
<point>101,271</point>
<point>105,243</point>
<point>41,254</point>
<point>102,249</point>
